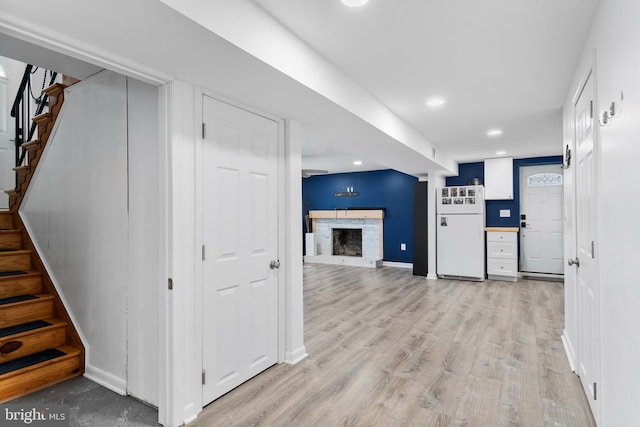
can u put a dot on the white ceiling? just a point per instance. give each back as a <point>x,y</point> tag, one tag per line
<point>498,63</point>
<point>356,79</point>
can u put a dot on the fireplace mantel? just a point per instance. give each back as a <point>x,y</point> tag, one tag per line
<point>369,220</point>
<point>348,214</point>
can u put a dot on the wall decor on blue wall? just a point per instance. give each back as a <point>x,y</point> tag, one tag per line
<point>383,189</point>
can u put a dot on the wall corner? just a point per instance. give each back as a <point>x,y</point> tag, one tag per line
<point>294,349</point>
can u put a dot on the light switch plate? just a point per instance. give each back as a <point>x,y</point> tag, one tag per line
<point>505,213</point>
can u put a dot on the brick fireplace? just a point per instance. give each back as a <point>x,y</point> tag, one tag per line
<point>350,237</point>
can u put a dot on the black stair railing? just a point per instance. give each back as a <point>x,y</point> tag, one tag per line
<point>21,109</point>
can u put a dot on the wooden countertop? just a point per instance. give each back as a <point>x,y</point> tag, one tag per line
<point>503,229</point>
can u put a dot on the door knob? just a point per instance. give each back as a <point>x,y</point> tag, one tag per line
<point>575,262</point>
<point>274,264</point>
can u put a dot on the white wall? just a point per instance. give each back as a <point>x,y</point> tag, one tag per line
<point>76,209</point>
<point>102,257</point>
<point>615,36</point>
<point>293,304</point>
<point>184,359</point>
<point>144,245</point>
<point>435,180</point>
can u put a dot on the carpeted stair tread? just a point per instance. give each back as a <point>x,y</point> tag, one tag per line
<point>17,298</point>
<point>12,330</point>
<point>12,273</point>
<point>33,359</point>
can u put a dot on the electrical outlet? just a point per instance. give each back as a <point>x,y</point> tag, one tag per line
<point>403,246</point>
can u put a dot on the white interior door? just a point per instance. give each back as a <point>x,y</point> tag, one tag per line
<point>588,352</point>
<point>240,289</point>
<point>542,227</point>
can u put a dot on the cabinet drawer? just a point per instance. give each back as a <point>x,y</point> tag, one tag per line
<point>501,250</point>
<point>505,267</point>
<point>500,236</point>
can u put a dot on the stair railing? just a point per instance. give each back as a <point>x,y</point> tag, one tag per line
<point>21,109</point>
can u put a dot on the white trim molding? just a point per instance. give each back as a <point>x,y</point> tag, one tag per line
<point>397,264</point>
<point>293,357</point>
<point>105,379</point>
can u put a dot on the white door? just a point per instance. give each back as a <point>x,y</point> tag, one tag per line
<point>240,290</point>
<point>541,224</point>
<point>588,352</point>
<point>7,148</point>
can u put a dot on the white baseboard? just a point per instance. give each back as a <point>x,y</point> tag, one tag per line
<point>568,350</point>
<point>106,379</point>
<point>432,276</point>
<point>397,264</point>
<point>293,357</point>
<point>542,276</point>
<point>189,413</point>
<point>344,260</point>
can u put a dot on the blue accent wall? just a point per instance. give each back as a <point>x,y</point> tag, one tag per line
<point>385,189</point>
<point>467,171</point>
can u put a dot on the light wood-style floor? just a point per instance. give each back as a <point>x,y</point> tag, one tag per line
<point>390,349</point>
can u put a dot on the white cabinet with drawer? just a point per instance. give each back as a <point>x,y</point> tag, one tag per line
<point>502,253</point>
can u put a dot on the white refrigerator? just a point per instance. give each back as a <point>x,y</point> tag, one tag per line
<point>460,213</point>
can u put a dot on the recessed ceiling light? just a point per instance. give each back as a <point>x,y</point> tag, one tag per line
<point>500,153</point>
<point>357,162</point>
<point>494,132</point>
<point>435,102</point>
<point>355,3</point>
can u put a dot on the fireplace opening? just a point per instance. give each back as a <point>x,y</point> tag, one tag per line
<point>347,241</point>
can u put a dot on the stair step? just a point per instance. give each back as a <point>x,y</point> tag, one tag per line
<point>31,144</point>
<point>17,298</point>
<point>10,239</point>
<point>13,197</point>
<point>22,168</point>
<point>54,90</point>
<point>5,332</point>
<point>30,338</point>
<point>39,375</point>
<point>45,125</point>
<point>15,261</point>
<point>11,273</point>
<point>20,283</point>
<point>22,172</point>
<point>42,118</point>
<point>30,360</point>
<point>6,218</point>
<point>31,310</point>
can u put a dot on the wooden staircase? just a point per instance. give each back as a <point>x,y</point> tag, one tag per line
<point>35,148</point>
<point>38,343</point>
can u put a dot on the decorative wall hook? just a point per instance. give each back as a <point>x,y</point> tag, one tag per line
<point>567,158</point>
